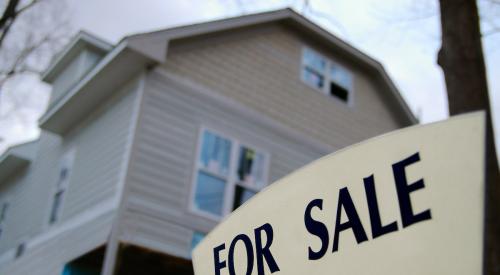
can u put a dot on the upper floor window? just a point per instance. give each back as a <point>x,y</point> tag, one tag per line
<point>326,76</point>
<point>228,173</point>
<point>61,186</point>
<point>3,215</point>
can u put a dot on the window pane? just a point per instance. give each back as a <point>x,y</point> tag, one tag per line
<point>313,78</point>
<point>63,177</point>
<point>314,61</point>
<point>63,173</point>
<point>56,205</point>
<point>341,76</point>
<point>81,269</point>
<point>3,212</point>
<point>241,195</point>
<point>339,92</point>
<point>215,153</point>
<point>209,193</point>
<point>197,238</point>
<point>251,167</point>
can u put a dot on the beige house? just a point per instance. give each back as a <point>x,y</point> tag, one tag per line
<point>146,145</point>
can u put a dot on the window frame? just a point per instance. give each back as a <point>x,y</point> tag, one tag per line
<point>68,157</point>
<point>232,181</point>
<point>326,74</point>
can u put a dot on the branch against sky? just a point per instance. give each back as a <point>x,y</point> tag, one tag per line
<point>31,33</point>
<point>12,11</point>
<point>30,37</point>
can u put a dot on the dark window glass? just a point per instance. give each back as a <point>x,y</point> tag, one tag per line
<point>56,205</point>
<point>251,167</point>
<point>3,213</point>
<point>241,195</point>
<point>339,92</point>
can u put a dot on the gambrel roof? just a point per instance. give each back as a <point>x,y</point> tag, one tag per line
<point>136,52</point>
<point>155,44</point>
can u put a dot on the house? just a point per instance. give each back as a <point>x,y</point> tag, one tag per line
<point>146,145</point>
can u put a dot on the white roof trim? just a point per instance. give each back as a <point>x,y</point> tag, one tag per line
<point>87,78</point>
<point>82,38</point>
<point>15,158</point>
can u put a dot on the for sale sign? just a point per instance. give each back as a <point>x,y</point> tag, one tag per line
<point>408,202</point>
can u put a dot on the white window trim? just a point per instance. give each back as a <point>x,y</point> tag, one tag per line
<point>327,77</point>
<point>69,157</point>
<point>231,178</point>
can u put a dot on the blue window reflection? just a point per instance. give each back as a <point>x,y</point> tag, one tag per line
<point>215,153</point>
<point>341,76</point>
<point>209,193</point>
<point>197,238</point>
<point>241,196</point>
<point>314,61</point>
<point>313,78</point>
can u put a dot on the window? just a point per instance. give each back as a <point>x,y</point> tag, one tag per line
<point>228,173</point>
<point>326,75</point>
<point>3,215</point>
<point>196,239</point>
<point>90,263</point>
<point>61,186</point>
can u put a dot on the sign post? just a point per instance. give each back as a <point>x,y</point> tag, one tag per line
<point>408,202</point>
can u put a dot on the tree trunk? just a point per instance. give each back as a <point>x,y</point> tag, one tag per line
<point>462,61</point>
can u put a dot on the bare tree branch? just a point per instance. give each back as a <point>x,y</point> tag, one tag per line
<point>10,15</point>
<point>307,8</point>
<point>29,39</point>
<point>5,31</point>
<point>27,6</point>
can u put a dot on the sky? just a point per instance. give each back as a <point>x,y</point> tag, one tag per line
<point>402,34</point>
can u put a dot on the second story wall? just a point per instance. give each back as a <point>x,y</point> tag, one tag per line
<point>98,147</point>
<point>157,210</point>
<point>260,67</point>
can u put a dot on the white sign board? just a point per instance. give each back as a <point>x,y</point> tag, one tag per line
<point>409,202</point>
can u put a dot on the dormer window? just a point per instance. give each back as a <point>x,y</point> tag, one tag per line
<point>326,75</point>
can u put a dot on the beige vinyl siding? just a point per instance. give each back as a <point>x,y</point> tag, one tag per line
<point>157,195</point>
<point>260,67</point>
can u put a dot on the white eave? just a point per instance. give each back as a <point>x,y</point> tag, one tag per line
<point>16,158</point>
<point>81,40</point>
<point>118,66</point>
